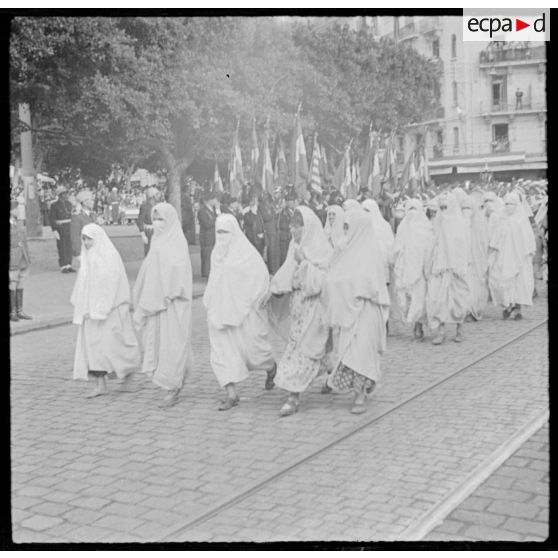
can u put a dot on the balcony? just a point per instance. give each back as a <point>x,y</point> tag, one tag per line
<point>512,55</point>
<point>501,145</point>
<point>503,108</point>
<point>430,24</point>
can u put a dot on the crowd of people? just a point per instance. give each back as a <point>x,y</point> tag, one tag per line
<point>330,287</point>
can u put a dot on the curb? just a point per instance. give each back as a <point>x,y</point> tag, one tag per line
<point>58,322</point>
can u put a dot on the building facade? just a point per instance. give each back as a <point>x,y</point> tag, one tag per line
<point>493,113</point>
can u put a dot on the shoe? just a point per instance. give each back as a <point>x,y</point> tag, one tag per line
<point>13,317</point>
<point>96,393</point>
<point>326,389</point>
<point>19,306</point>
<point>71,270</point>
<point>358,409</point>
<point>458,337</point>
<point>518,316</point>
<point>289,408</point>
<point>269,383</point>
<point>418,332</point>
<point>64,270</point>
<point>439,339</point>
<point>507,313</point>
<point>229,403</point>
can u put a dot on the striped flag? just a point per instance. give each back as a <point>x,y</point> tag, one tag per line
<point>299,162</point>
<point>217,182</point>
<point>281,174</point>
<point>316,178</point>
<point>236,176</point>
<point>264,178</point>
<point>254,152</point>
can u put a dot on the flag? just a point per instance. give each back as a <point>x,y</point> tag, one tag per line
<point>355,178</point>
<point>316,174</point>
<point>217,182</point>
<point>236,176</point>
<point>389,166</point>
<point>281,175</point>
<point>367,161</point>
<point>408,175</point>
<point>342,176</point>
<point>325,169</point>
<point>264,178</point>
<point>299,163</point>
<point>254,152</point>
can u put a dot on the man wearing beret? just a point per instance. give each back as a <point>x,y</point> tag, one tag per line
<point>60,219</point>
<point>19,264</point>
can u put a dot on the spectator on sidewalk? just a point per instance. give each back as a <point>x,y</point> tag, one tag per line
<point>163,305</point>
<point>106,342</point>
<point>19,264</point>
<point>60,219</point>
<point>114,201</point>
<point>188,219</point>
<point>144,222</point>
<point>207,215</point>
<point>79,220</point>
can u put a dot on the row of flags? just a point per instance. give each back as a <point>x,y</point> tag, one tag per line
<point>376,171</point>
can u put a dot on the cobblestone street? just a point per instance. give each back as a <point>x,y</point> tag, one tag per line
<point>118,468</point>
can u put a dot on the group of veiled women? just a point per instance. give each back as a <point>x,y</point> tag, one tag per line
<point>330,300</point>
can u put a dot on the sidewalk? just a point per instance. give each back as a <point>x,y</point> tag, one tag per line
<point>47,297</point>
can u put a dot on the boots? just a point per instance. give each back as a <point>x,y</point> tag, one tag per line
<point>19,306</point>
<point>13,307</point>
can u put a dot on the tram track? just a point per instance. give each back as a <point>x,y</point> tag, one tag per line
<point>243,494</point>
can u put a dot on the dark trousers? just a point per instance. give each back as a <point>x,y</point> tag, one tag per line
<point>64,246</point>
<point>283,249</point>
<point>205,253</point>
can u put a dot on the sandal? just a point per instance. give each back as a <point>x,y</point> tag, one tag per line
<point>358,409</point>
<point>229,403</point>
<point>439,339</point>
<point>289,408</point>
<point>326,389</point>
<point>269,383</point>
<point>507,313</point>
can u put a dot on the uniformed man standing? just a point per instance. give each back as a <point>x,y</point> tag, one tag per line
<point>60,219</point>
<point>19,264</point>
<point>207,214</point>
<point>284,225</point>
<point>145,225</point>
<point>80,219</point>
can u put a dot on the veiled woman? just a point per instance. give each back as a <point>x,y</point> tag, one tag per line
<point>163,304</point>
<point>333,227</point>
<point>238,327</point>
<point>510,259</point>
<point>478,264</point>
<point>410,254</point>
<point>106,341</point>
<point>357,307</point>
<point>448,293</point>
<point>299,282</point>
<point>384,232</point>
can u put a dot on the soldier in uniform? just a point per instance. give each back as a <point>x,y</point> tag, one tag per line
<point>84,216</point>
<point>60,219</point>
<point>207,214</point>
<point>144,222</point>
<point>284,225</point>
<point>19,265</point>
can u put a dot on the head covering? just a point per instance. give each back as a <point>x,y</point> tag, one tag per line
<point>166,272</point>
<point>451,238</point>
<point>334,233</point>
<point>513,238</point>
<point>412,242</point>
<point>151,191</point>
<point>61,190</point>
<point>382,229</point>
<point>351,204</point>
<point>101,284</point>
<point>316,249</point>
<point>84,195</point>
<point>238,278</point>
<point>356,272</point>
<point>478,233</point>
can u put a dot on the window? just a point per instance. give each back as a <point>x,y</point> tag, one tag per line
<point>453,46</point>
<point>499,95</point>
<point>456,139</point>
<point>438,147</point>
<point>436,48</point>
<point>454,89</point>
<point>500,138</point>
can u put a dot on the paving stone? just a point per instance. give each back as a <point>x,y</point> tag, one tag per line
<point>516,509</point>
<point>48,508</point>
<point>118,522</point>
<point>487,517</point>
<point>40,522</point>
<point>486,533</point>
<point>526,527</point>
<point>90,502</point>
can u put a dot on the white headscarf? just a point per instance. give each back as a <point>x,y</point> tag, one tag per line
<point>356,272</point>
<point>316,248</point>
<point>478,233</point>
<point>334,233</point>
<point>451,238</point>
<point>382,229</point>
<point>412,243</point>
<point>238,278</point>
<point>166,272</point>
<point>351,204</point>
<point>101,284</point>
<point>513,238</point>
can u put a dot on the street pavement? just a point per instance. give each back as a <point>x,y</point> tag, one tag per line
<point>120,469</point>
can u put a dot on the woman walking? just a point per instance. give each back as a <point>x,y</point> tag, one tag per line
<point>163,305</point>
<point>238,327</point>
<point>357,307</point>
<point>300,279</point>
<point>106,342</point>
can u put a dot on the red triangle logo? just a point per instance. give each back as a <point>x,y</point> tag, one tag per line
<point>519,25</point>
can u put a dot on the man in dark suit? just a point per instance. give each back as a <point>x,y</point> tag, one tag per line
<point>60,219</point>
<point>207,214</point>
<point>145,225</point>
<point>19,265</point>
<point>284,225</point>
<point>79,220</point>
<point>188,220</point>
